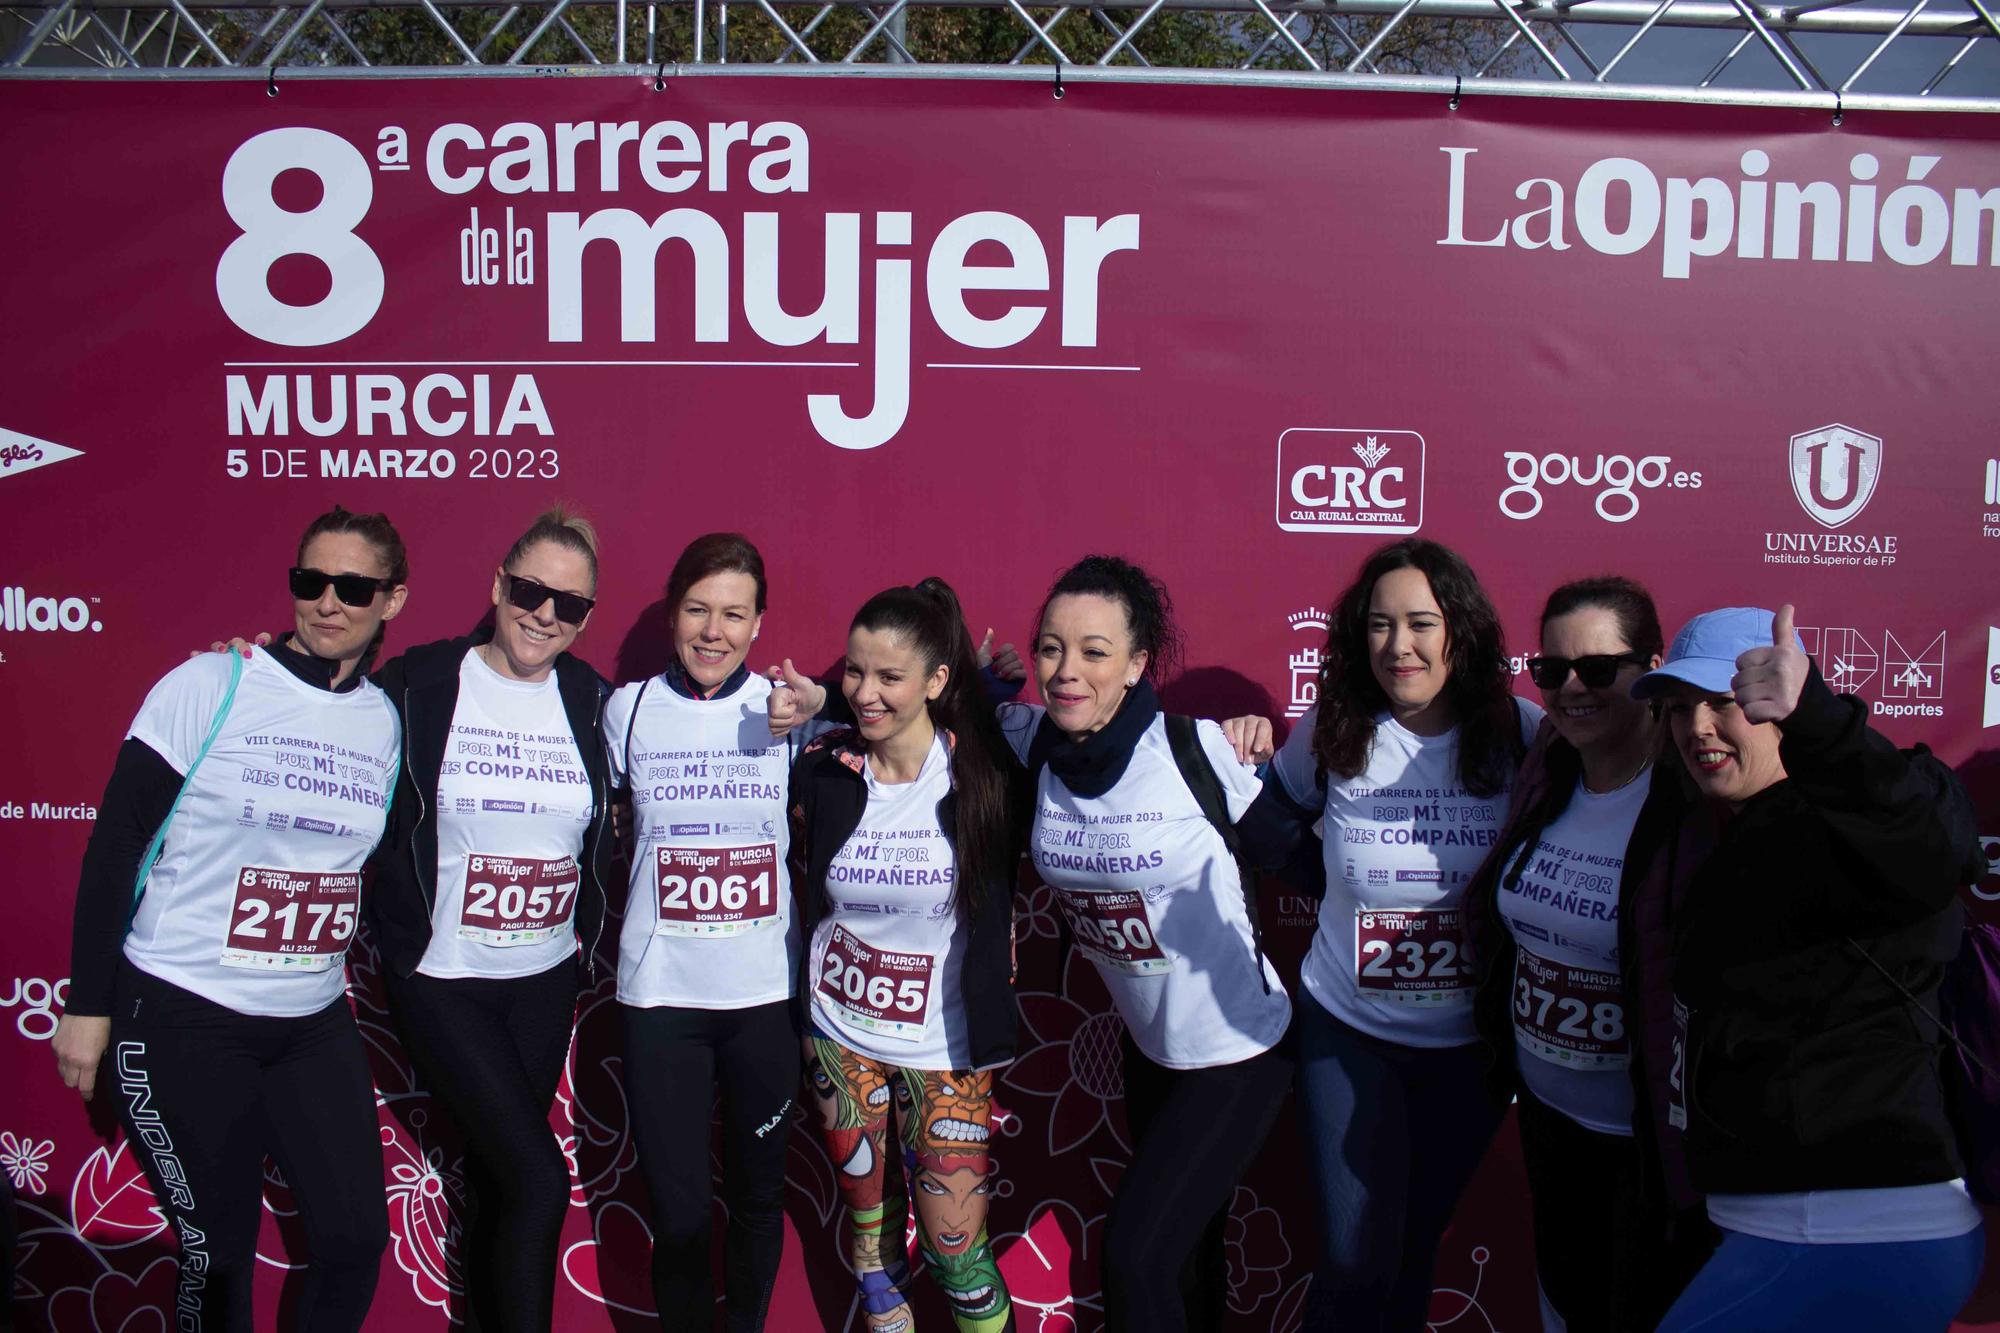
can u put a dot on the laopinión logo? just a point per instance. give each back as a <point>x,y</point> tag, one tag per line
<point>24,453</point>
<point>1332,479</point>
<point>1620,476</point>
<point>1834,472</point>
<point>1897,675</point>
<point>22,611</point>
<point>1305,663</point>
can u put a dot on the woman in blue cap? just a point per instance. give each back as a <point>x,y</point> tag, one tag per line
<point>1807,1088</point>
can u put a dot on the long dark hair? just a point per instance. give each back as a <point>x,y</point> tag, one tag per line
<point>927,618</point>
<point>1477,686</point>
<point>1639,625</point>
<point>379,533</point>
<point>1149,609</point>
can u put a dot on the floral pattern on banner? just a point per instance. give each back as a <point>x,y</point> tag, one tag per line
<point>26,1162</point>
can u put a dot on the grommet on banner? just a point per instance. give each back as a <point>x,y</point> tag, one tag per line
<point>660,79</point>
<point>1457,85</point>
<point>271,84</point>
<point>1059,87</point>
<point>1836,109</point>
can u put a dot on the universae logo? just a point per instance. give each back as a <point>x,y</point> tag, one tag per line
<point>1834,470</point>
<point>1337,479</point>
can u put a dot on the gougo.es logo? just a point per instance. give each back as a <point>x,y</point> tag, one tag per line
<point>38,1000</point>
<point>1620,476</point>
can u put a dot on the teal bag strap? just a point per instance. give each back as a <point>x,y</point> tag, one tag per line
<point>160,834</point>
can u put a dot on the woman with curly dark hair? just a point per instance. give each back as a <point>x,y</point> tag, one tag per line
<point>1407,756</point>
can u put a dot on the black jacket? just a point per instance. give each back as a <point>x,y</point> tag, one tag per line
<point>423,685</point>
<point>1806,1068</point>
<point>828,798</point>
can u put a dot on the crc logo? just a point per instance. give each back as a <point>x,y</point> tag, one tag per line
<point>1339,480</point>
<point>1305,663</point>
<point>20,612</point>
<point>38,1000</point>
<point>1834,471</point>
<point>1618,502</point>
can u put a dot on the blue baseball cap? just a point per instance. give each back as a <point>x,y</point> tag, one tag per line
<point>1704,653</point>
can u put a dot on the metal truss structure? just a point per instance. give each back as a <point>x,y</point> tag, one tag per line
<point>1835,54</point>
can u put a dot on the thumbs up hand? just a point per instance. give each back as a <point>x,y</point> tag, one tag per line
<point>1768,680</point>
<point>794,698</point>
<point>1006,663</point>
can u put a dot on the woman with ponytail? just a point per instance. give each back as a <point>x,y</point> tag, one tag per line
<point>1144,827</point>
<point>1568,919</point>
<point>219,894</point>
<point>904,848</point>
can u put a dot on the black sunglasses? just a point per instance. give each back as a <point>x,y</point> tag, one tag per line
<point>309,585</point>
<point>527,595</point>
<point>1595,671</point>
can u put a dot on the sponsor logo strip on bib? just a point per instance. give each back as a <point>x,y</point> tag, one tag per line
<point>516,900</point>
<point>873,989</point>
<point>291,920</point>
<point>1115,930</point>
<point>711,891</point>
<point>1411,955</point>
<point>1572,1016</point>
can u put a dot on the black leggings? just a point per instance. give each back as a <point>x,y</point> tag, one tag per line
<point>491,1050</point>
<point>205,1093</point>
<point>1195,1132</point>
<point>674,1061</point>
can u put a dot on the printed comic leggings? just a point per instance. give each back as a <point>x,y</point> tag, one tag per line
<point>944,1115</point>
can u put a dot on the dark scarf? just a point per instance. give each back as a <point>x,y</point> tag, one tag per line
<point>1092,766</point>
<point>678,680</point>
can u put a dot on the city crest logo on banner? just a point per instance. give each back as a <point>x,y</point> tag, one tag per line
<point>24,453</point>
<point>1304,664</point>
<point>1333,479</point>
<point>1834,471</point>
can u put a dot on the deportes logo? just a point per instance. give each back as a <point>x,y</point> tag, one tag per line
<point>24,453</point>
<point>1617,502</point>
<point>1899,675</point>
<point>20,611</point>
<point>1337,480</point>
<point>1834,471</point>
<point>1306,661</point>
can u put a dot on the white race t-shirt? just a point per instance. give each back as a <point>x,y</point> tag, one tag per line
<point>1568,992</point>
<point>889,955</point>
<point>1402,839</point>
<point>1155,900</point>
<point>1896,1214</point>
<point>257,890</point>
<point>708,922</point>
<point>513,801</point>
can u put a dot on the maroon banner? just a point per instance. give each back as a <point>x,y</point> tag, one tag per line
<point>898,328</point>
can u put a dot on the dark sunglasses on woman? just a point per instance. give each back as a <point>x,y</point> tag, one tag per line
<point>524,594</point>
<point>1595,671</point>
<point>309,585</point>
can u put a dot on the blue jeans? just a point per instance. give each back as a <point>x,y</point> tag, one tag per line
<point>1393,1134</point>
<point>1891,1287</point>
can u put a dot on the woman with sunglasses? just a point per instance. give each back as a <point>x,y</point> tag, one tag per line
<point>1569,917</point>
<point>1808,951</point>
<point>220,890</point>
<point>489,900</point>
<point>709,950</point>
<point>1407,756</point>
